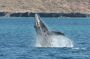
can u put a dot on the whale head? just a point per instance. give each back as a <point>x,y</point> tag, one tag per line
<point>39,25</point>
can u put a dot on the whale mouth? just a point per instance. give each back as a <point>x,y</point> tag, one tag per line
<point>37,18</point>
<point>37,21</point>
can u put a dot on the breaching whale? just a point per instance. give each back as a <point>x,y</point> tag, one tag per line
<point>46,38</point>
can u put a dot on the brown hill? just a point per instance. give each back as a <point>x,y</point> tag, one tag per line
<point>65,6</point>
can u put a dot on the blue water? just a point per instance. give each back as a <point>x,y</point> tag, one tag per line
<point>17,38</point>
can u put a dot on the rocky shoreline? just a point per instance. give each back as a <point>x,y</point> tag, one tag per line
<point>30,14</point>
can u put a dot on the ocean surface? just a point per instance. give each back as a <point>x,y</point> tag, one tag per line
<point>18,36</point>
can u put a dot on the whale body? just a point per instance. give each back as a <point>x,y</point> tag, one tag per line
<point>46,38</point>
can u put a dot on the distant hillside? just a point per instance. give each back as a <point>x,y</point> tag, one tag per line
<point>61,6</point>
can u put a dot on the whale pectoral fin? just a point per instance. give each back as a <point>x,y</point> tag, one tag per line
<point>58,33</point>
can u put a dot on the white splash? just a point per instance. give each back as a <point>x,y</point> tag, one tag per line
<point>56,41</point>
<point>61,41</point>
